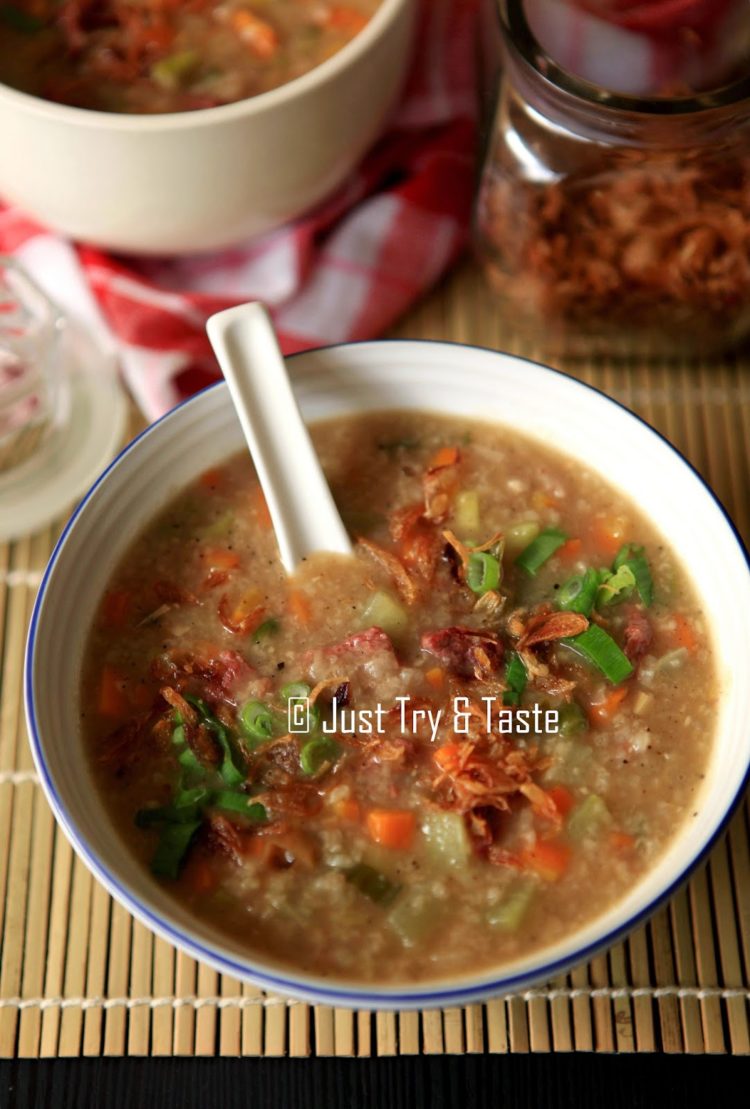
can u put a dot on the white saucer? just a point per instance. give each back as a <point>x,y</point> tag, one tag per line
<point>71,456</point>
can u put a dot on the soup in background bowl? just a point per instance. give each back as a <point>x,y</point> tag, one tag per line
<point>121,56</point>
<point>420,864</point>
<point>147,177</point>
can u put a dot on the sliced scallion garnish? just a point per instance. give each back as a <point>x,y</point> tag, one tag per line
<point>482,572</point>
<point>634,558</point>
<point>579,593</point>
<point>172,848</point>
<point>515,679</point>
<point>533,557</point>
<point>600,649</point>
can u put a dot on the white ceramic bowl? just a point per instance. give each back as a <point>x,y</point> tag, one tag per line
<point>456,380</point>
<point>194,181</point>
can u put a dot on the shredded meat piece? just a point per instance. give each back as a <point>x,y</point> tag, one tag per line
<point>464,651</point>
<point>365,642</point>
<point>637,635</point>
<point>212,675</point>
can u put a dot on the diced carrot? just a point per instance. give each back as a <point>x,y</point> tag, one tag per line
<point>621,841</point>
<point>570,550</point>
<point>299,607</point>
<point>547,858</point>
<point>446,456</point>
<point>115,608</point>
<point>347,809</point>
<point>201,876</point>
<point>562,799</point>
<point>608,535</point>
<point>261,510</point>
<point>684,633</point>
<point>112,698</point>
<point>435,677</point>
<point>391,827</point>
<point>220,558</point>
<point>602,712</point>
<point>210,479</point>
<point>260,36</point>
<point>343,18</point>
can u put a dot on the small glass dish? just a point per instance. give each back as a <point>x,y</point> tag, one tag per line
<point>33,385</point>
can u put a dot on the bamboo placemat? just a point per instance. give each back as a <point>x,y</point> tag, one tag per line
<point>78,976</point>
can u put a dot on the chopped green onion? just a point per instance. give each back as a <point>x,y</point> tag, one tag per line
<point>240,803</point>
<point>515,679</point>
<point>229,770</point>
<point>571,720</point>
<point>579,593</point>
<point>294,691</point>
<point>615,587</point>
<point>383,611</point>
<point>316,753</point>
<point>266,629</point>
<point>482,572</point>
<point>257,720</point>
<point>172,847</point>
<point>540,549</point>
<point>372,883</point>
<point>634,558</point>
<point>184,810</point>
<point>466,513</point>
<point>601,650</point>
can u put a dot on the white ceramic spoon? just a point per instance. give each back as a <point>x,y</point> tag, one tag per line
<point>304,515</point>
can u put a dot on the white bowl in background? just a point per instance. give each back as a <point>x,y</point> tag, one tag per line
<point>458,381</point>
<point>192,181</point>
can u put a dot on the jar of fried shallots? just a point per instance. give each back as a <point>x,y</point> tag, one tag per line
<point>614,223</point>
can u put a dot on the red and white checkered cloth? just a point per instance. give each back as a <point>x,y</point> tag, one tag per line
<point>346,271</point>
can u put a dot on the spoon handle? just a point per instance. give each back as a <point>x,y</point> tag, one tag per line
<point>304,515</point>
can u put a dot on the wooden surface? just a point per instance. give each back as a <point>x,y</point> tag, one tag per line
<point>79,977</point>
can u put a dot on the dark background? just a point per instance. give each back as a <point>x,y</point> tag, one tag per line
<point>491,1081</point>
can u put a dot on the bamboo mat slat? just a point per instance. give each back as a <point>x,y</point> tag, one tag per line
<point>79,977</point>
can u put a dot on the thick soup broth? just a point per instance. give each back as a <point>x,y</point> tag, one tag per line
<point>495,743</point>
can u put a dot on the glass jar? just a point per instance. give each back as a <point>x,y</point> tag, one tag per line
<point>33,387</point>
<point>608,223</point>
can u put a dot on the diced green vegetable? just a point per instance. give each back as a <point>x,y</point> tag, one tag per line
<point>587,818</point>
<point>515,679</point>
<point>266,630</point>
<point>257,720</point>
<point>672,660</point>
<point>446,838</point>
<point>579,593</point>
<point>172,847</point>
<point>415,916</point>
<point>19,20</point>
<point>571,720</point>
<point>294,691</point>
<point>466,513</point>
<point>540,550</point>
<point>220,528</point>
<point>372,883</point>
<point>175,70</point>
<point>383,611</point>
<point>519,536</point>
<point>509,914</point>
<point>185,808</point>
<point>634,558</point>
<point>240,804</point>
<point>482,572</point>
<point>600,649</point>
<point>317,752</point>
<point>615,587</point>
<point>229,770</point>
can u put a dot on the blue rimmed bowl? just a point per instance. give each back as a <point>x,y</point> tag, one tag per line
<point>446,378</point>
